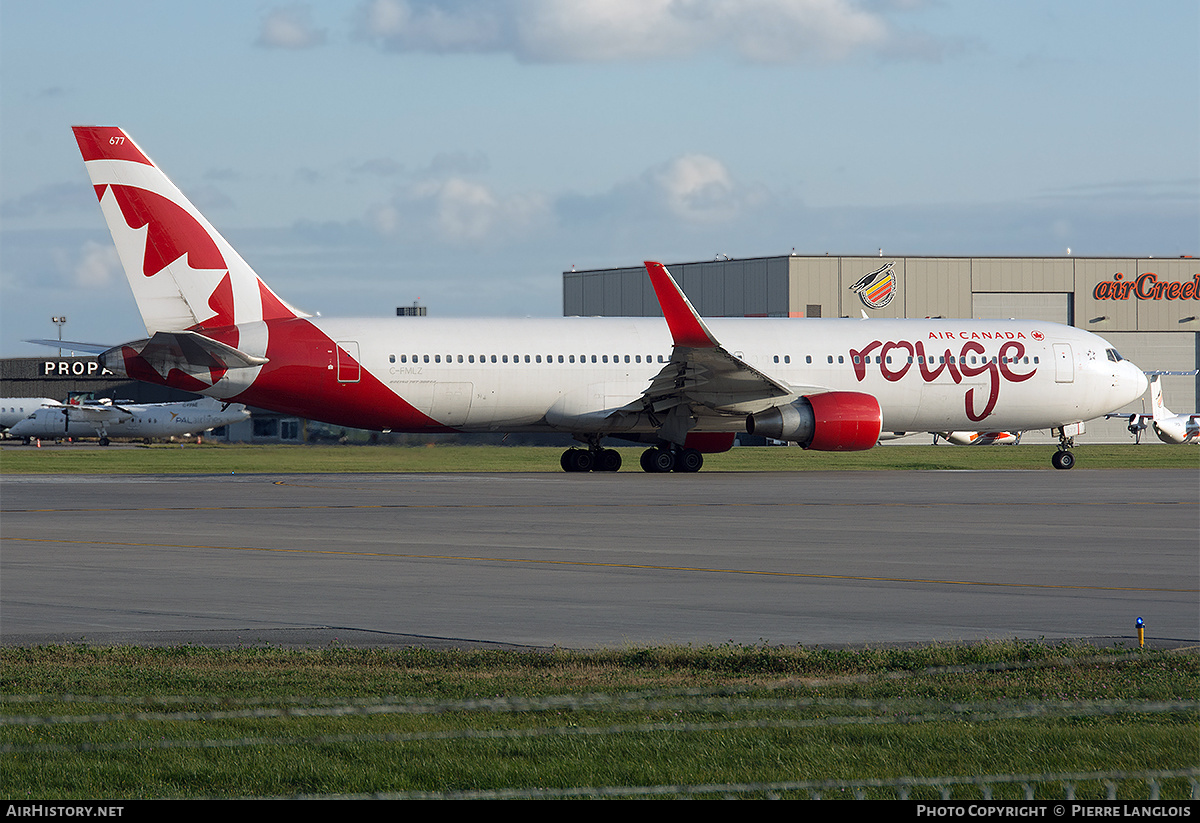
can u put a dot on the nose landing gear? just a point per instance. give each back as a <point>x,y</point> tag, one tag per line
<point>1063,458</point>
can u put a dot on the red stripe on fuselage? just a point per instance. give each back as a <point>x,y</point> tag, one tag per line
<point>299,380</point>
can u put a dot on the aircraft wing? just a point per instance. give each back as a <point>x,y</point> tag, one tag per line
<point>97,414</point>
<point>710,378</point>
<point>702,375</point>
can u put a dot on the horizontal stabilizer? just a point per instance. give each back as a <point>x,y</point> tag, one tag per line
<point>187,351</point>
<point>73,345</point>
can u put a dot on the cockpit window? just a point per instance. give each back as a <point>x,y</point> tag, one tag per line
<point>1114,356</point>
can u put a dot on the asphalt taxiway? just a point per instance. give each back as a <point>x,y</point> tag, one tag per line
<point>598,560</point>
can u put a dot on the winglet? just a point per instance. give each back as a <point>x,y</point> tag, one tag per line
<point>687,329</point>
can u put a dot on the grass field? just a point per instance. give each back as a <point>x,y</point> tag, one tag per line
<point>82,722</point>
<point>752,721</point>
<point>223,459</point>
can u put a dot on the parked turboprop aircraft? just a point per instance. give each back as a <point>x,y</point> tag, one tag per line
<point>144,420</point>
<point>979,438</point>
<point>1170,427</point>
<point>14,409</point>
<point>681,383</point>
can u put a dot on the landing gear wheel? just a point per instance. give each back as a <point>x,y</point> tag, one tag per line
<point>646,460</point>
<point>103,441</point>
<point>689,460</point>
<point>608,460</point>
<point>1063,460</point>
<point>658,460</point>
<point>577,460</point>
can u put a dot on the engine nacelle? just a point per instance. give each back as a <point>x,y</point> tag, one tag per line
<point>833,421</point>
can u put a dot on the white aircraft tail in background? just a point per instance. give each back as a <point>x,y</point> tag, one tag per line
<point>1168,426</point>
<point>683,385</point>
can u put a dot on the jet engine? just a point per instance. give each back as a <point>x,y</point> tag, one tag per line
<point>835,421</point>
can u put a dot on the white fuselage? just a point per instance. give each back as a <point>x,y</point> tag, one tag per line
<point>15,409</point>
<point>564,374</point>
<point>128,420</point>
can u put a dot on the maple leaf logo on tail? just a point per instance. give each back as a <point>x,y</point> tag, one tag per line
<point>183,273</point>
<point>200,301</point>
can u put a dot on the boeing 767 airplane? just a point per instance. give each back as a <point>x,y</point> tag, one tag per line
<point>683,385</point>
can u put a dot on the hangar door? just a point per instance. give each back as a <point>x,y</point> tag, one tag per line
<point>1054,307</point>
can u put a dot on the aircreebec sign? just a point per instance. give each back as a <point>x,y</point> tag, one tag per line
<point>1147,286</point>
<point>72,367</point>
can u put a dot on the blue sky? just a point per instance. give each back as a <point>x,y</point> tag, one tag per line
<point>363,154</point>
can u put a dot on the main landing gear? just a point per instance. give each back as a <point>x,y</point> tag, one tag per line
<point>666,459</point>
<point>655,460</point>
<point>593,459</point>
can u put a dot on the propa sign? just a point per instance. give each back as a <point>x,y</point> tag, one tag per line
<point>74,367</point>
<point>1147,286</point>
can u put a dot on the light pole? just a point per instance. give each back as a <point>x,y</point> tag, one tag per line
<point>59,321</point>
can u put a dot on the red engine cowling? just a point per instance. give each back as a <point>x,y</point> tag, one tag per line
<point>836,421</point>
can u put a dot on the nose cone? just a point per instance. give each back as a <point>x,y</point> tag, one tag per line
<point>1140,382</point>
<point>1131,382</point>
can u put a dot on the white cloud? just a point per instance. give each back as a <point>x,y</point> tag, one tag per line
<point>290,27</point>
<point>401,25</point>
<point>699,188</point>
<point>457,210</point>
<point>96,266</point>
<point>759,31</point>
<point>690,191</point>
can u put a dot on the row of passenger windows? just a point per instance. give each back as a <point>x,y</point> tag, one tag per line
<point>927,359</point>
<point>527,358</point>
<point>637,358</point>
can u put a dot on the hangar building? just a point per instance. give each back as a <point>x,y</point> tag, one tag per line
<point>1148,308</point>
